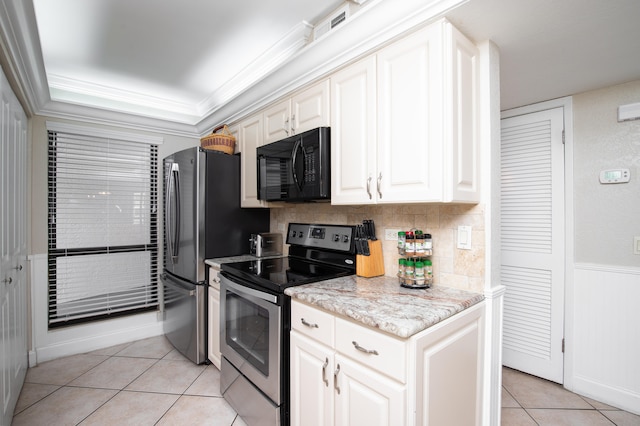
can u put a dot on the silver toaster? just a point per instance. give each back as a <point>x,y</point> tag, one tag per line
<point>265,244</point>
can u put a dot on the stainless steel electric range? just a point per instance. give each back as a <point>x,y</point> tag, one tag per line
<point>256,314</point>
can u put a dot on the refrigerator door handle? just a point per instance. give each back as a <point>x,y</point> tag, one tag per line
<point>176,286</point>
<point>173,194</point>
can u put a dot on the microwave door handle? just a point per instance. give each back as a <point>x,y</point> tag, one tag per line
<point>294,160</point>
<point>173,194</point>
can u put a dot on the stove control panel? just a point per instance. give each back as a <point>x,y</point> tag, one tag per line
<point>331,237</point>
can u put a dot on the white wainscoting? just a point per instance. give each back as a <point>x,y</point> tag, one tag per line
<point>605,343</point>
<point>47,345</point>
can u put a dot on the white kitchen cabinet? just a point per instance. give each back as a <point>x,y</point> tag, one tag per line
<point>249,137</point>
<point>213,334</point>
<point>344,373</point>
<point>421,142</point>
<point>328,387</point>
<point>303,111</point>
<point>353,133</point>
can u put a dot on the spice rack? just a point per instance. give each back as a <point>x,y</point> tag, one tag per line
<point>415,269</point>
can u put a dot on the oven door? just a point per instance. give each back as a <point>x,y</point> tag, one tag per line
<point>250,336</point>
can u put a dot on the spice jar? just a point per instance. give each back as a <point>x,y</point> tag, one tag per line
<point>428,272</point>
<point>419,273</point>
<point>420,248</point>
<point>409,272</point>
<point>428,245</point>
<point>401,242</point>
<point>401,268</point>
<point>410,244</point>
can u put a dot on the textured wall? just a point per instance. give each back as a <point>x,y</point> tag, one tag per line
<point>606,216</point>
<point>462,269</point>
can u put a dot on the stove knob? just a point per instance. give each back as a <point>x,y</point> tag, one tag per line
<point>300,234</point>
<point>336,237</point>
<point>345,238</point>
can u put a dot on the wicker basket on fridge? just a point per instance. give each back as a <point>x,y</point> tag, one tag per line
<point>223,141</point>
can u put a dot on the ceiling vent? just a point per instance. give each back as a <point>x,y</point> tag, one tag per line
<point>336,18</point>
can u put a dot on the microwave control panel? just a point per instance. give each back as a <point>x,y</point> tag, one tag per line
<point>331,237</point>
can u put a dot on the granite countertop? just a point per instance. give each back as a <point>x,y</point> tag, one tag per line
<point>383,304</point>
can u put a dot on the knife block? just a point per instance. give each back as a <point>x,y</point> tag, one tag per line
<point>372,265</point>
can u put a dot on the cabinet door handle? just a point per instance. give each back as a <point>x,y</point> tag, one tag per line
<point>369,187</point>
<point>379,180</point>
<point>293,124</point>
<point>308,324</point>
<point>324,372</point>
<point>365,350</point>
<point>286,125</point>
<point>335,379</point>
<point>8,280</point>
<point>18,268</point>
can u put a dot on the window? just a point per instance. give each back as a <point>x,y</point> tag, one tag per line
<point>103,233</point>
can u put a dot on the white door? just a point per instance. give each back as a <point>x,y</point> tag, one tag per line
<point>13,249</point>
<point>249,138</point>
<point>310,108</point>
<point>366,398</point>
<point>532,242</point>
<point>277,122</point>
<point>311,382</point>
<point>353,134</point>
<point>410,75</point>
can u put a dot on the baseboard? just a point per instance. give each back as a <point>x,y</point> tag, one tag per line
<point>616,397</point>
<point>93,342</point>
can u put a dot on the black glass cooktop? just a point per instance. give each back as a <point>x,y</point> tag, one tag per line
<point>277,274</point>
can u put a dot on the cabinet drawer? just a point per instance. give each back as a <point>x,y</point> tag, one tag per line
<point>214,279</point>
<point>312,322</point>
<point>354,341</point>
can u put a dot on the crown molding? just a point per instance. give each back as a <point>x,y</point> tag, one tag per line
<point>269,78</point>
<point>378,23</point>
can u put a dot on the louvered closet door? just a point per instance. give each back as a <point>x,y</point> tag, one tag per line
<point>532,234</point>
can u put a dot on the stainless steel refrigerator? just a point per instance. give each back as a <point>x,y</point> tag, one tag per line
<point>202,220</point>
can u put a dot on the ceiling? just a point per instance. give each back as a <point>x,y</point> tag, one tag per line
<point>184,57</point>
<point>180,60</point>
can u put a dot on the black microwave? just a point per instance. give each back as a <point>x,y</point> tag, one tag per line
<point>296,168</point>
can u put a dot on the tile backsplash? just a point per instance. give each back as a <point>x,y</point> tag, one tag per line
<point>452,267</point>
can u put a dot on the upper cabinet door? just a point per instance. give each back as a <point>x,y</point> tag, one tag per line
<point>462,81</point>
<point>353,134</point>
<point>409,121</point>
<point>310,108</point>
<point>304,111</point>
<point>250,138</point>
<point>277,121</point>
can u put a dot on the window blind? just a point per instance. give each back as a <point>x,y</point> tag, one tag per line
<point>103,247</point>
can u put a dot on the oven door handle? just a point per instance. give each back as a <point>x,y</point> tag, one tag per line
<point>240,289</point>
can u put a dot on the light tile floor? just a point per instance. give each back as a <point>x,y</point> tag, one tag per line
<point>149,383</point>
<point>530,401</point>
<point>141,383</point>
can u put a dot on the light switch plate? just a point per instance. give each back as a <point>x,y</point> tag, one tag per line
<point>464,237</point>
<point>636,245</point>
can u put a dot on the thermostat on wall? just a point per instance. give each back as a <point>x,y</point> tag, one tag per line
<point>615,176</point>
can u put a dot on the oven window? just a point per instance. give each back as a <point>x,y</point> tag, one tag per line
<point>247,331</point>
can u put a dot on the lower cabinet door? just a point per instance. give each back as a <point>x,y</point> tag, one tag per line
<point>312,382</point>
<point>366,398</point>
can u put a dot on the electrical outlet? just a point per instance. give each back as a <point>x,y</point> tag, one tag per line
<point>391,234</point>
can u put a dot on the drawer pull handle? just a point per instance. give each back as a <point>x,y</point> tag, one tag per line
<point>324,372</point>
<point>308,324</point>
<point>335,379</point>
<point>366,351</point>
